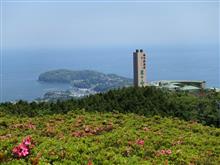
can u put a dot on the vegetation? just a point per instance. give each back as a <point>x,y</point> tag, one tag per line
<point>90,138</point>
<point>148,101</point>
<point>97,81</point>
<point>125,126</point>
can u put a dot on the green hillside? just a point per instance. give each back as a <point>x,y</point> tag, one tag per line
<point>89,79</point>
<point>80,137</point>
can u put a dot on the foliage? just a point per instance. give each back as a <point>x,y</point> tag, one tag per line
<point>81,137</point>
<point>147,101</point>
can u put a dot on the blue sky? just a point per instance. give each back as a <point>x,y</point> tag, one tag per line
<point>73,25</point>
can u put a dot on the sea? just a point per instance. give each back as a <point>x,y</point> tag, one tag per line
<point>21,67</point>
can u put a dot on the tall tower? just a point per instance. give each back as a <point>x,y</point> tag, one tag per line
<point>139,64</point>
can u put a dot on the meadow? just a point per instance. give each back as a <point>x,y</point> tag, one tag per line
<point>90,138</point>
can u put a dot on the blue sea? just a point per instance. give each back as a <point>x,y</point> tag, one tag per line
<point>21,67</point>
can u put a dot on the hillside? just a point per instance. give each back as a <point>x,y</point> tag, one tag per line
<point>80,137</point>
<point>148,101</point>
<point>99,82</point>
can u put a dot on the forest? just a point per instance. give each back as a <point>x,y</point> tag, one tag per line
<point>148,101</point>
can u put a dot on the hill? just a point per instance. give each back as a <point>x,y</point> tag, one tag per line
<point>148,101</point>
<point>81,137</point>
<point>99,82</point>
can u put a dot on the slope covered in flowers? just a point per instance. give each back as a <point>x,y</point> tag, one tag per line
<point>80,137</point>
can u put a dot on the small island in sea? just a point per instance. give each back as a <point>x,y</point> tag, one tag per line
<point>82,82</point>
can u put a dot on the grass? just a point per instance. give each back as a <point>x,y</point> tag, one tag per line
<point>80,137</point>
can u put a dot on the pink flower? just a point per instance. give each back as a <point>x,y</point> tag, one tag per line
<point>140,142</point>
<point>27,141</point>
<point>162,152</point>
<point>21,150</point>
<point>165,152</point>
<point>24,150</point>
<point>168,152</point>
<point>15,149</point>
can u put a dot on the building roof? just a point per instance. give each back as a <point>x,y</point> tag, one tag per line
<point>183,85</point>
<point>189,88</point>
<point>171,86</point>
<point>181,81</point>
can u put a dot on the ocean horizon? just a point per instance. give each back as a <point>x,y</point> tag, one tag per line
<point>22,67</point>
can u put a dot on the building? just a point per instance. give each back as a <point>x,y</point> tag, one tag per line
<point>180,85</point>
<point>140,77</point>
<point>139,64</point>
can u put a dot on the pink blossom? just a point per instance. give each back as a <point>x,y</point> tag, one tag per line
<point>163,152</point>
<point>16,149</point>
<point>168,152</point>
<point>21,150</point>
<point>27,141</point>
<point>140,142</point>
<point>24,150</point>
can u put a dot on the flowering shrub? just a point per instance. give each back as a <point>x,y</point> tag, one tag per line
<point>22,150</point>
<point>91,138</point>
<point>88,131</point>
<point>27,141</point>
<point>168,152</point>
<point>164,152</point>
<point>140,142</point>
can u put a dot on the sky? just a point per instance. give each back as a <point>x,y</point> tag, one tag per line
<point>108,24</point>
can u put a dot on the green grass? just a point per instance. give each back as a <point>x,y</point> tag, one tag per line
<point>114,142</point>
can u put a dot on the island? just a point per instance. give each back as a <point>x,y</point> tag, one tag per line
<point>83,82</point>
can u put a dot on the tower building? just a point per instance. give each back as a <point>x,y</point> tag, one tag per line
<point>139,64</point>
